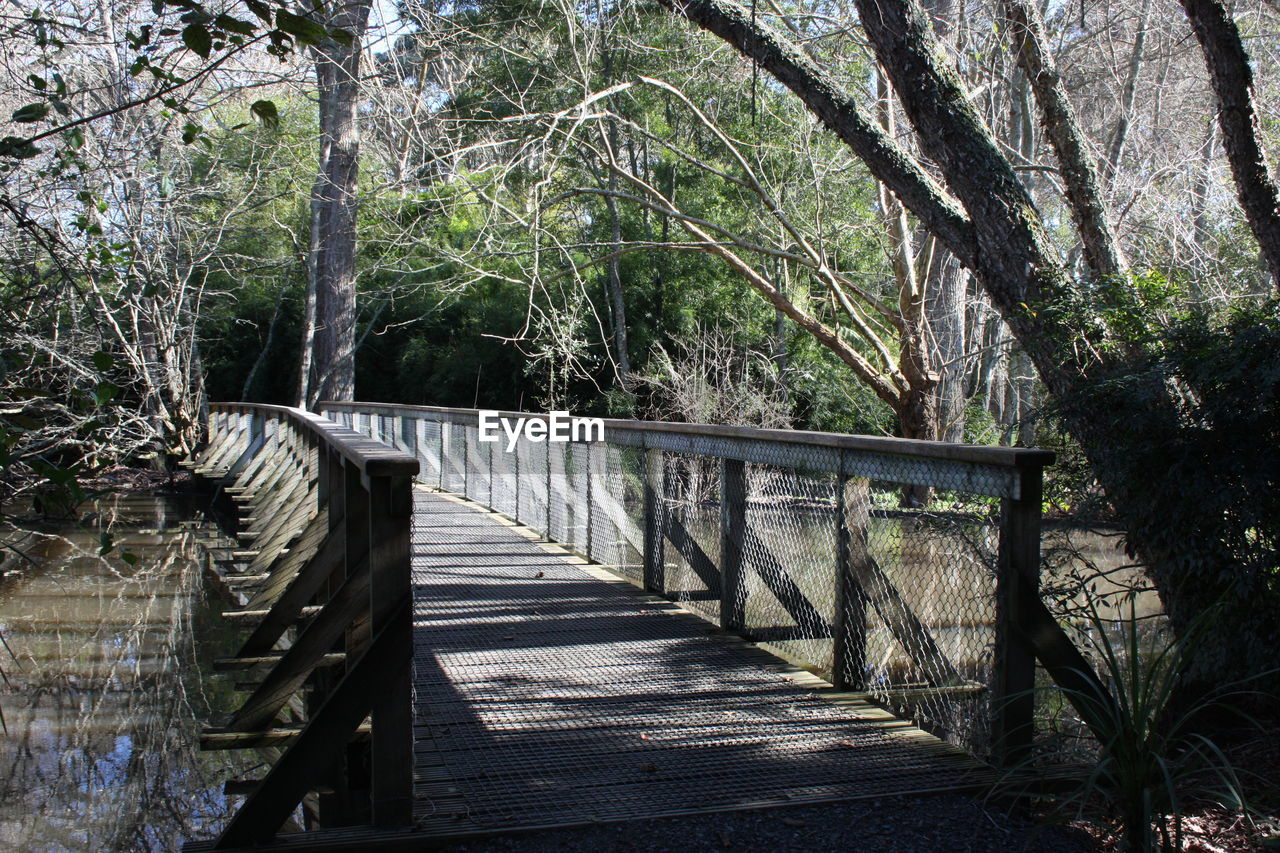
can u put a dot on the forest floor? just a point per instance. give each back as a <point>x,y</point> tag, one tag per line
<point>952,823</point>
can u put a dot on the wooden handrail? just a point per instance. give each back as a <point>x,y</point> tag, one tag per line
<point>371,458</point>
<point>1011,457</point>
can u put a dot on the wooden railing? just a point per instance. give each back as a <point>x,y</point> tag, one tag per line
<point>785,537</point>
<point>325,580</point>
<point>624,502</point>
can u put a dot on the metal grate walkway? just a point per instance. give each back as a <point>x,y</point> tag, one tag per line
<point>548,693</point>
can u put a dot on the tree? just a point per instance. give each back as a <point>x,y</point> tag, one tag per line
<point>329,337</point>
<point>1232,77</point>
<point>987,219</point>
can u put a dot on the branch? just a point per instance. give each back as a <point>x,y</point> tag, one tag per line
<point>1079,177</point>
<point>838,110</point>
<point>1232,78</point>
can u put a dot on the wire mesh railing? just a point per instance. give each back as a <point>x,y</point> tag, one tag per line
<point>807,542</point>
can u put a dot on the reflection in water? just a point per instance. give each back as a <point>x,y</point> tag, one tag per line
<point>104,688</point>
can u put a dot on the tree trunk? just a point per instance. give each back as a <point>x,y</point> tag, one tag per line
<point>1232,78</point>
<point>333,209</point>
<point>306,352</point>
<point>1200,210</point>
<point>1079,177</point>
<point>946,288</point>
<point>622,355</point>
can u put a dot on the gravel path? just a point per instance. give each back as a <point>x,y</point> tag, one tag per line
<point>892,825</point>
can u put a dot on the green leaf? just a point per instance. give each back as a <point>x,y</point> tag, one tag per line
<point>103,361</point>
<point>343,37</point>
<point>141,38</point>
<point>190,131</point>
<point>105,392</point>
<point>305,30</point>
<point>105,544</point>
<point>262,10</point>
<point>197,38</point>
<point>37,82</point>
<point>265,112</point>
<point>31,112</point>
<point>129,557</point>
<point>234,25</point>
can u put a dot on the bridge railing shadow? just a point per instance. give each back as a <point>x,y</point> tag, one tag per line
<point>548,697</point>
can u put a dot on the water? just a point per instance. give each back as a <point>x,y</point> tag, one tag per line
<point>108,683</point>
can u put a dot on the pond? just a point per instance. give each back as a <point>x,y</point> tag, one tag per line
<point>107,681</point>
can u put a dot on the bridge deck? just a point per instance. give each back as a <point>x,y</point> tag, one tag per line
<point>547,693</point>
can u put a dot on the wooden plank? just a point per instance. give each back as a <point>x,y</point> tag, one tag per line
<point>874,584</point>
<point>296,521</point>
<point>237,580</point>
<point>328,731</point>
<point>304,655</point>
<point>248,455</point>
<point>278,736</point>
<point>849,653</point>
<point>226,664</point>
<point>285,569</point>
<point>252,615</point>
<point>279,513</point>
<point>1063,661</point>
<point>914,637</point>
<point>255,476</point>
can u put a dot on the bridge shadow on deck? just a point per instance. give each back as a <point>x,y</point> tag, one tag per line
<point>546,695</point>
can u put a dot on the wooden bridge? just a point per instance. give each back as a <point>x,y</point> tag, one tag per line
<point>447,637</point>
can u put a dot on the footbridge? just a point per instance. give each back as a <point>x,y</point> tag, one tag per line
<point>447,636</point>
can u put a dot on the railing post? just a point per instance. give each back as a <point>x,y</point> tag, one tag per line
<point>515,484</point>
<point>849,650</point>
<point>445,429</point>
<point>358,538</point>
<point>655,505</point>
<point>488,500</point>
<point>733,522</point>
<point>1013,696</point>
<point>550,453</point>
<point>590,478</point>
<point>390,601</point>
<point>340,807</point>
